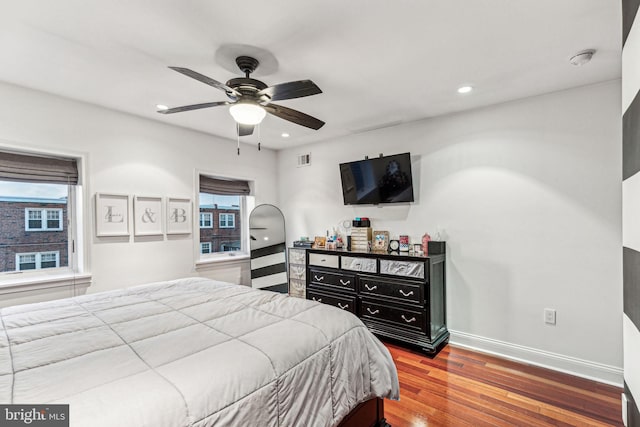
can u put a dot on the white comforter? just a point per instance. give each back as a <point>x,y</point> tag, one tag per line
<point>192,352</point>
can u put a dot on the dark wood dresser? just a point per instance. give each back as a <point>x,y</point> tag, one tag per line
<point>400,297</point>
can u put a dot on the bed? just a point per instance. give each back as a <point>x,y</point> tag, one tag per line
<point>193,352</point>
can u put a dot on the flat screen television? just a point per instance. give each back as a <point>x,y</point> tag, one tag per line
<point>377,180</point>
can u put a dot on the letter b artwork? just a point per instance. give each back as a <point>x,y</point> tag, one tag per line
<point>179,216</point>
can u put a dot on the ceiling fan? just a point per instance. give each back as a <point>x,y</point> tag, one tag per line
<point>251,99</point>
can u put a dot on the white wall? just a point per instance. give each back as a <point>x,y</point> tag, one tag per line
<point>527,195</point>
<point>131,155</point>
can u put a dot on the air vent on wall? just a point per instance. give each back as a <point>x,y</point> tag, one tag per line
<point>304,159</point>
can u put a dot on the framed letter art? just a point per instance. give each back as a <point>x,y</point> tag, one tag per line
<point>112,215</point>
<point>147,216</point>
<point>178,216</point>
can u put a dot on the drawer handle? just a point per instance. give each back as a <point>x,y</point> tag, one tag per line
<point>344,307</point>
<point>316,299</point>
<point>413,319</point>
<point>345,283</point>
<point>372,311</point>
<point>319,279</point>
<point>408,294</point>
<point>370,288</point>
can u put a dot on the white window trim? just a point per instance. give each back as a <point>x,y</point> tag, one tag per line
<point>76,277</point>
<point>43,219</point>
<point>226,221</point>
<point>208,261</point>
<point>210,215</point>
<point>38,259</point>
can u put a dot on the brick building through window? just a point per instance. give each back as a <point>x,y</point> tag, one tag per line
<point>33,233</point>
<point>220,227</point>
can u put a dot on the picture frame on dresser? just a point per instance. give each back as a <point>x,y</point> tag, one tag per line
<point>380,241</point>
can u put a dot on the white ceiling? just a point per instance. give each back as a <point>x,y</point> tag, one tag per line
<point>378,62</point>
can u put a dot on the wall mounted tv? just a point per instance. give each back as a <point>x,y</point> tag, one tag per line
<point>377,180</point>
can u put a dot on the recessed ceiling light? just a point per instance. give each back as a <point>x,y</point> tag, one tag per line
<point>465,89</point>
<point>285,135</point>
<point>162,107</point>
<point>582,57</point>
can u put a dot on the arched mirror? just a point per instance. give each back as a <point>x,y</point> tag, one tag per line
<point>268,249</point>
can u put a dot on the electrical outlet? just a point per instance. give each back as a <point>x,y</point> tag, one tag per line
<point>549,316</point>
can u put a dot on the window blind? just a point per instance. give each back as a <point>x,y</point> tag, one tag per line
<point>28,168</point>
<point>224,186</point>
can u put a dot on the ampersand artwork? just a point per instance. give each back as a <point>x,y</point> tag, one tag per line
<point>178,215</point>
<point>149,216</point>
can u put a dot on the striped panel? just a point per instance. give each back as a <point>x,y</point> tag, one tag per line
<point>268,250</point>
<point>633,414</point>
<point>269,268</point>
<point>631,205</point>
<point>629,12</point>
<point>631,137</point>
<point>631,285</point>
<point>267,281</point>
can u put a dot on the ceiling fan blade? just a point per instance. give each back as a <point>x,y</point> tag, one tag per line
<point>291,90</point>
<point>244,130</point>
<point>193,107</point>
<point>207,80</point>
<point>294,116</point>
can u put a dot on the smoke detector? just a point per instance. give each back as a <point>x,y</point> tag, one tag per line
<point>582,57</point>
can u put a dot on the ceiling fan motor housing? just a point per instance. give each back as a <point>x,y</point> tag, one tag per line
<point>247,64</point>
<point>246,86</point>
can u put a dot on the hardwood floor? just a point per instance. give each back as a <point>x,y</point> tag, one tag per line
<point>464,388</point>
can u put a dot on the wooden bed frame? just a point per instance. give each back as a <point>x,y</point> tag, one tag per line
<point>366,414</point>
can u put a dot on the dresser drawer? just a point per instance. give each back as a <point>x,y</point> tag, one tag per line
<point>297,272</point>
<point>337,280</point>
<point>367,265</point>
<point>297,288</point>
<point>324,260</point>
<point>401,290</point>
<point>402,268</point>
<point>297,256</point>
<point>345,302</point>
<point>408,319</point>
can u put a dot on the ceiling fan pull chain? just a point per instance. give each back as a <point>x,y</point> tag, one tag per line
<point>259,137</point>
<point>238,136</point>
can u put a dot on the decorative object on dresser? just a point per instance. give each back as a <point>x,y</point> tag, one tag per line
<point>380,241</point>
<point>399,297</point>
<point>297,272</point>
<point>361,239</point>
<point>319,242</point>
<point>404,243</point>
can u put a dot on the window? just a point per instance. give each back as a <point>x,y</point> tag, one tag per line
<point>227,200</point>
<point>36,261</point>
<point>37,219</point>
<point>227,220</point>
<point>205,247</point>
<point>206,220</point>
<point>39,216</point>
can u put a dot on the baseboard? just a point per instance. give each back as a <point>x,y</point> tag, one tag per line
<point>570,365</point>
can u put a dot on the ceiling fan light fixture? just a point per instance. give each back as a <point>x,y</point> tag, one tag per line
<point>247,113</point>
